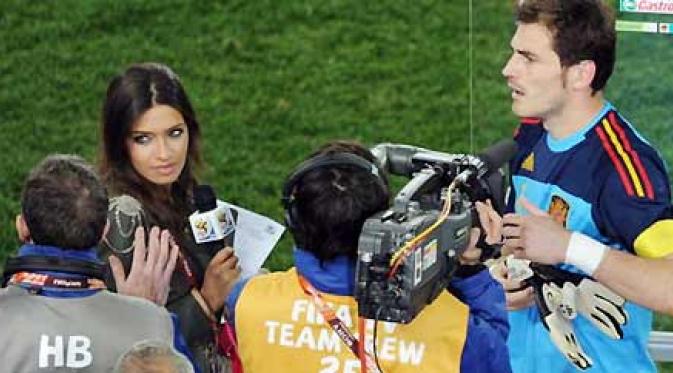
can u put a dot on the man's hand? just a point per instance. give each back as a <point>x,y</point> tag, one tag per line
<point>536,236</point>
<point>221,275</point>
<point>151,269</point>
<point>510,276</point>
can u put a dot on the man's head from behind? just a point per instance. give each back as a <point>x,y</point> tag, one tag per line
<point>152,356</point>
<point>63,204</point>
<point>329,197</point>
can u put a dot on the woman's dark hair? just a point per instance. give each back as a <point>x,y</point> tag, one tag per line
<point>129,95</point>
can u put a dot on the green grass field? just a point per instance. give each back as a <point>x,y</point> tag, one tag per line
<point>271,80</point>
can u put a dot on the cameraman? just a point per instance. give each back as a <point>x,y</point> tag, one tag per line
<point>279,325</point>
<point>56,311</point>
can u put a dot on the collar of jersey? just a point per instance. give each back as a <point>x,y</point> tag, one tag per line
<point>561,145</point>
<point>336,276</point>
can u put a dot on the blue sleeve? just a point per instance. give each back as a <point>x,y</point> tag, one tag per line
<point>485,347</point>
<point>179,342</point>
<point>622,216</point>
<point>232,299</point>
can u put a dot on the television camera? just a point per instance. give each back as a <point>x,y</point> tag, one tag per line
<point>408,253</point>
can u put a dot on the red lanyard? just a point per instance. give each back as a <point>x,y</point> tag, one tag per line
<point>187,271</point>
<point>339,327</point>
<point>225,339</point>
<point>36,281</point>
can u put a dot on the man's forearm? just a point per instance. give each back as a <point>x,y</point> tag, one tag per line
<point>637,279</point>
<point>648,282</point>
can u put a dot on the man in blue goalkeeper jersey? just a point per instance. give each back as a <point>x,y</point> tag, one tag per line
<point>588,170</point>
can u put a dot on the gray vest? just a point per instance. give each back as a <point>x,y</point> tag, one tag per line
<point>86,334</point>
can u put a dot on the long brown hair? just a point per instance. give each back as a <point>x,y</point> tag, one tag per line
<point>129,95</point>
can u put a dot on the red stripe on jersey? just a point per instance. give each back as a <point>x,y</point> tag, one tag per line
<point>533,121</point>
<point>615,161</point>
<point>526,121</point>
<point>634,156</point>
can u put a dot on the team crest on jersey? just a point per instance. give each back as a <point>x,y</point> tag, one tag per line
<point>559,209</point>
<point>529,163</point>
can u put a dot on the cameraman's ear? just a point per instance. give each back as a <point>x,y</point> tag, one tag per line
<point>22,229</point>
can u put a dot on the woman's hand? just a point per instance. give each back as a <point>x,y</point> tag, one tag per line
<point>222,273</point>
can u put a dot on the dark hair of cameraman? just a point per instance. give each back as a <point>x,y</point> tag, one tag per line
<point>64,204</point>
<point>332,203</point>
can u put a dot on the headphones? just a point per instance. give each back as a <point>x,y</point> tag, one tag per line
<point>49,263</point>
<point>325,160</point>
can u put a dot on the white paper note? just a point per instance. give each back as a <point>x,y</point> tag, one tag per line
<point>255,237</point>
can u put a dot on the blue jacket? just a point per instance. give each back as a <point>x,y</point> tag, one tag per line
<point>485,348</point>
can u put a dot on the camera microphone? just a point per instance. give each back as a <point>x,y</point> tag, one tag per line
<point>497,155</point>
<point>490,160</point>
<point>212,226</point>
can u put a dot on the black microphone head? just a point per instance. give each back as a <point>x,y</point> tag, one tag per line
<point>204,198</point>
<point>495,156</point>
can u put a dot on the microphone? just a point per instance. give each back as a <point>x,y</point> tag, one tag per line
<point>495,156</point>
<point>212,225</point>
<point>490,160</point>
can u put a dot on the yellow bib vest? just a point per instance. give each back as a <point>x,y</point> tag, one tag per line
<point>279,329</point>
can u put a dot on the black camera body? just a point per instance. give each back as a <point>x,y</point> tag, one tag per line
<point>399,293</point>
<point>424,272</point>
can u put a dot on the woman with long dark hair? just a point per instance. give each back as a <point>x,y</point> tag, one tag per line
<point>149,149</point>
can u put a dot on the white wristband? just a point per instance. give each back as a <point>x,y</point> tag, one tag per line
<point>584,252</point>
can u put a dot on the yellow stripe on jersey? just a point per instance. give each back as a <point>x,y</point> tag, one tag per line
<point>656,241</point>
<point>625,157</point>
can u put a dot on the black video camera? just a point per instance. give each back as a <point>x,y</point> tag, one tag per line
<point>408,253</point>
